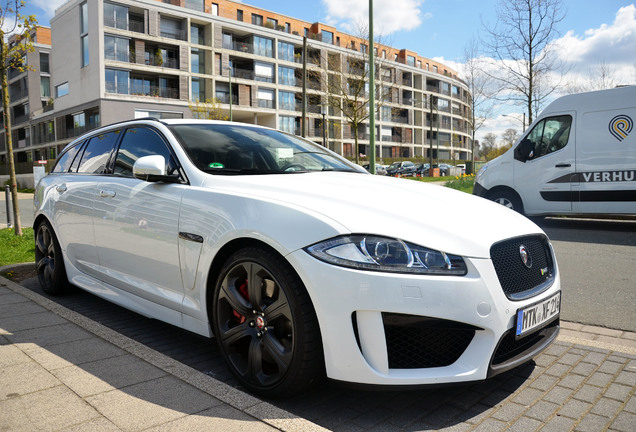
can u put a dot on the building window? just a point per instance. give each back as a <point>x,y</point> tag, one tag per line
<point>44,63</point>
<point>158,114</point>
<point>327,37</point>
<point>419,64</point>
<point>116,81</point>
<point>435,69</point>
<point>285,51</point>
<point>198,89</point>
<point>171,28</point>
<point>263,46</point>
<point>287,27</point>
<point>45,87</point>
<point>265,98</point>
<point>263,72</point>
<point>287,124</point>
<point>286,101</point>
<point>286,76</point>
<point>239,15</point>
<point>61,90</point>
<point>115,16</point>
<point>116,48</point>
<point>197,61</point>
<point>272,23</point>
<point>410,60</point>
<point>257,19</point>
<point>84,33</point>
<point>197,34</point>
<point>215,9</point>
<point>197,5</point>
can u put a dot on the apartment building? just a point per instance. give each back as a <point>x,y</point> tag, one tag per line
<point>109,60</point>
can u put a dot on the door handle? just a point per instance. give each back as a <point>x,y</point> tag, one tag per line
<point>563,165</point>
<point>107,194</point>
<point>61,188</point>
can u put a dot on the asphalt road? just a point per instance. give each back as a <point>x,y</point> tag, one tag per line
<point>597,260</point>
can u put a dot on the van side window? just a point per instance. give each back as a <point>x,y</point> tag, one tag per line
<point>549,135</point>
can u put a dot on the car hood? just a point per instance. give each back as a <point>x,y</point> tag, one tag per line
<point>426,214</point>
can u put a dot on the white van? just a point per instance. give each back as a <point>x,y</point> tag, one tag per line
<point>577,157</point>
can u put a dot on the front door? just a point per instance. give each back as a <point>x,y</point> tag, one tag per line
<point>544,181</point>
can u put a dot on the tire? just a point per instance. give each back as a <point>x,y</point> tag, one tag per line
<point>265,324</point>
<point>49,261</point>
<point>507,199</point>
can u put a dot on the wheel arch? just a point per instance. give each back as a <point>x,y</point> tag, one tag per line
<point>507,189</point>
<point>221,257</point>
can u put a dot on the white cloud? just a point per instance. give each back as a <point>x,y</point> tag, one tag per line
<point>611,47</point>
<point>389,16</point>
<point>614,45</point>
<point>48,6</point>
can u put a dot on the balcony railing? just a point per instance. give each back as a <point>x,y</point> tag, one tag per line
<point>242,73</point>
<point>240,46</point>
<point>263,103</point>
<point>174,34</point>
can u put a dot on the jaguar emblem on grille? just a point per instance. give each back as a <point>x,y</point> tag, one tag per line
<point>525,256</point>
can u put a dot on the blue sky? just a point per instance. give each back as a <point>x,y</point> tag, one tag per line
<point>593,31</point>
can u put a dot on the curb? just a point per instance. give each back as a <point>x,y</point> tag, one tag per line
<point>250,405</point>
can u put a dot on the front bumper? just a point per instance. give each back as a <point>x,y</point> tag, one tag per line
<point>395,329</point>
<point>479,190</point>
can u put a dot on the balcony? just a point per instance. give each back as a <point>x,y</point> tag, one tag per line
<point>174,34</point>
<point>243,47</point>
<point>264,103</point>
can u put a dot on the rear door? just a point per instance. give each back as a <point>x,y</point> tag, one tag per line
<point>545,180</point>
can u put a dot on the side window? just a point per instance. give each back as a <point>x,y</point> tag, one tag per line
<point>66,159</point>
<point>138,142</point>
<point>549,135</point>
<point>97,152</point>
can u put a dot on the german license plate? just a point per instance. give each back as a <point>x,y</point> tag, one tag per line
<point>537,315</point>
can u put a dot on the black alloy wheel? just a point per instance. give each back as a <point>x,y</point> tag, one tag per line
<point>49,262</point>
<point>265,324</point>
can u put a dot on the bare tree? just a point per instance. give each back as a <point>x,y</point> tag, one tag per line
<point>346,84</point>
<point>12,56</point>
<point>521,44</point>
<point>488,143</point>
<point>480,85</point>
<point>600,76</point>
<point>510,136</point>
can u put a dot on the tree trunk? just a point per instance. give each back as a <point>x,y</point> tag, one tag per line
<point>8,137</point>
<point>356,146</point>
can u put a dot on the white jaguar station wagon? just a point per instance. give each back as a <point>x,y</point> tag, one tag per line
<point>299,263</point>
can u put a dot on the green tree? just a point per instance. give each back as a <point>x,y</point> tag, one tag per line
<point>20,28</point>
<point>208,110</point>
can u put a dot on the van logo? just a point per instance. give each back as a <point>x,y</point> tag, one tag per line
<point>620,126</point>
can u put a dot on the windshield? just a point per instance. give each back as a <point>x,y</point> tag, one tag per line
<point>241,149</point>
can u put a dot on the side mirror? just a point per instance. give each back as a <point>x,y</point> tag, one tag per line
<point>524,151</point>
<point>152,169</point>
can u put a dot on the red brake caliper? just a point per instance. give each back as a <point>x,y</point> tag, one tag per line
<point>242,289</point>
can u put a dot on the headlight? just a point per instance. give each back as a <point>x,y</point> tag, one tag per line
<point>368,252</point>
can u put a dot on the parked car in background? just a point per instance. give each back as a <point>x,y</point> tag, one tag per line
<point>401,169</point>
<point>289,256</point>
<point>444,169</point>
<point>421,169</point>
<point>379,169</point>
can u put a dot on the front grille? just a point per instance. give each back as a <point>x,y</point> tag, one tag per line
<point>518,280</point>
<point>415,342</point>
